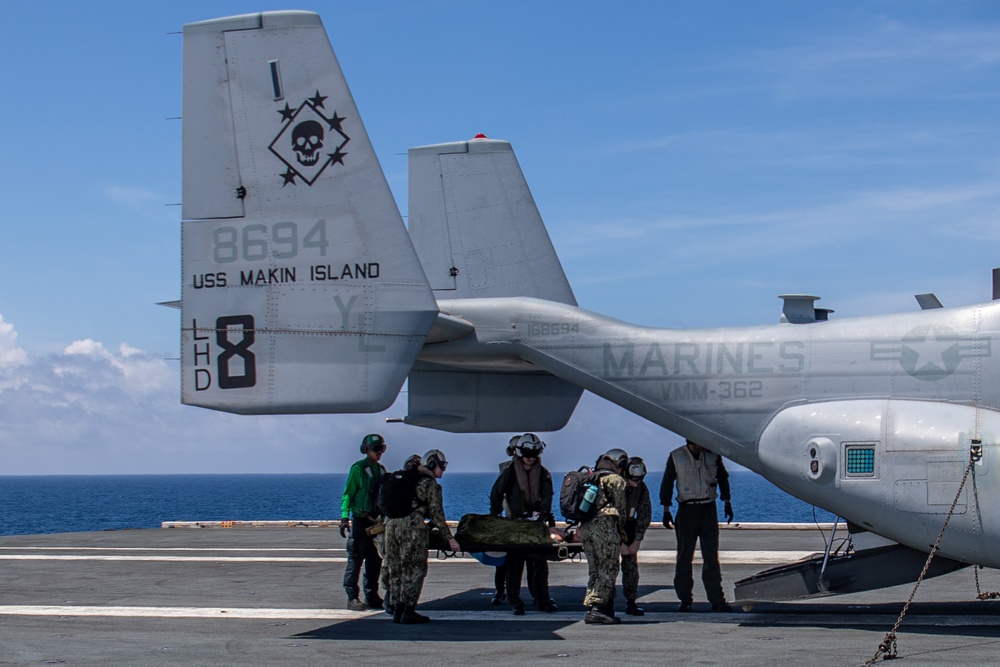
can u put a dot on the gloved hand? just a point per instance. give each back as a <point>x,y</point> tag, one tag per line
<point>728,511</point>
<point>345,526</point>
<point>668,521</point>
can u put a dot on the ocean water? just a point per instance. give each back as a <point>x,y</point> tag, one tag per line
<point>56,504</point>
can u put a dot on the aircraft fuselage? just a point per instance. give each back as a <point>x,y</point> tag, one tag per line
<point>867,418</point>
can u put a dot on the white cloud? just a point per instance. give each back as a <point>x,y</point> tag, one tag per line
<point>11,355</point>
<point>859,61</point>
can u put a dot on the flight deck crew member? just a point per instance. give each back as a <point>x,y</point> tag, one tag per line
<point>701,478</point>
<point>525,488</point>
<point>602,537</point>
<point>638,516</point>
<point>500,575</point>
<point>406,541</point>
<point>357,503</point>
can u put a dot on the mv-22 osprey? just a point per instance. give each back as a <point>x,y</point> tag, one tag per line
<point>303,292</point>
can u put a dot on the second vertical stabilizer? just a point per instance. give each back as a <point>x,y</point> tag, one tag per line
<point>476,227</point>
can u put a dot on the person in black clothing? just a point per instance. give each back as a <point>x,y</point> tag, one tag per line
<point>701,478</point>
<point>500,576</point>
<point>526,488</point>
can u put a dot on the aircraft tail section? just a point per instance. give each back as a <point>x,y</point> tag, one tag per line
<point>481,401</point>
<point>301,289</point>
<point>476,227</point>
<point>479,235</point>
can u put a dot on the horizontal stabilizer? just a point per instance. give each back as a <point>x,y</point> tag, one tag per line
<point>472,401</point>
<point>302,291</point>
<point>476,227</point>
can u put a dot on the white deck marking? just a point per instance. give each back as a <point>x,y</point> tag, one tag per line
<point>858,616</point>
<point>652,557</point>
<point>182,612</point>
<point>269,549</point>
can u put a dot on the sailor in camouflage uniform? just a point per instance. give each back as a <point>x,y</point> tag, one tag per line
<point>602,538</point>
<point>406,540</point>
<point>638,516</point>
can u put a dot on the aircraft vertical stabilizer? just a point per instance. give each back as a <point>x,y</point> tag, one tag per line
<point>301,289</point>
<point>479,235</point>
<point>476,227</point>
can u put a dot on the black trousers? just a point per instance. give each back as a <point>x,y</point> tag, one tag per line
<point>538,578</point>
<point>698,523</point>
<point>361,551</point>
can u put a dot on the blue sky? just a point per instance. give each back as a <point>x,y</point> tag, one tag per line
<point>691,160</point>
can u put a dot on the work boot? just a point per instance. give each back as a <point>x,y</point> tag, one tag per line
<point>596,616</point>
<point>397,613</point>
<point>411,617</point>
<point>548,607</point>
<point>356,605</point>
<point>684,607</point>
<point>722,607</point>
<point>609,611</point>
<point>498,598</point>
<point>375,602</point>
<point>518,606</point>
<point>634,610</point>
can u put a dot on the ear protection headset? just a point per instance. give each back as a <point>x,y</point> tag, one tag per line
<point>373,442</point>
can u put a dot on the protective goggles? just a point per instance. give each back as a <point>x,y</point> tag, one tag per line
<point>636,470</point>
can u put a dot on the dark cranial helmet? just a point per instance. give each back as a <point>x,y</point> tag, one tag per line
<point>434,459</point>
<point>617,457</point>
<point>373,442</point>
<point>529,445</point>
<point>636,468</point>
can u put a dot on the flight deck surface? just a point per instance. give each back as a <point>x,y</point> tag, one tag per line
<point>273,596</point>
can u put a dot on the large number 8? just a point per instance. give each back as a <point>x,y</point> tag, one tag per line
<point>240,349</point>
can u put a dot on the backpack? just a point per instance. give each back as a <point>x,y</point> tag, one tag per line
<point>396,493</point>
<point>578,495</point>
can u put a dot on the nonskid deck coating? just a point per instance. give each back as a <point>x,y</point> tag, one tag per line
<point>273,596</point>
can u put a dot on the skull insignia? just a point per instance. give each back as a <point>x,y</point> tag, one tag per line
<point>307,139</point>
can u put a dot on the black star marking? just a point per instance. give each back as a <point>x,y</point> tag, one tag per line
<point>287,113</point>
<point>337,157</point>
<point>336,122</point>
<point>289,177</point>
<point>317,100</point>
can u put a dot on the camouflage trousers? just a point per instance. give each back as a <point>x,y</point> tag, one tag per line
<point>601,541</point>
<point>404,564</point>
<point>630,576</point>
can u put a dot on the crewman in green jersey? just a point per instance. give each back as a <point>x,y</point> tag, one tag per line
<point>356,515</point>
